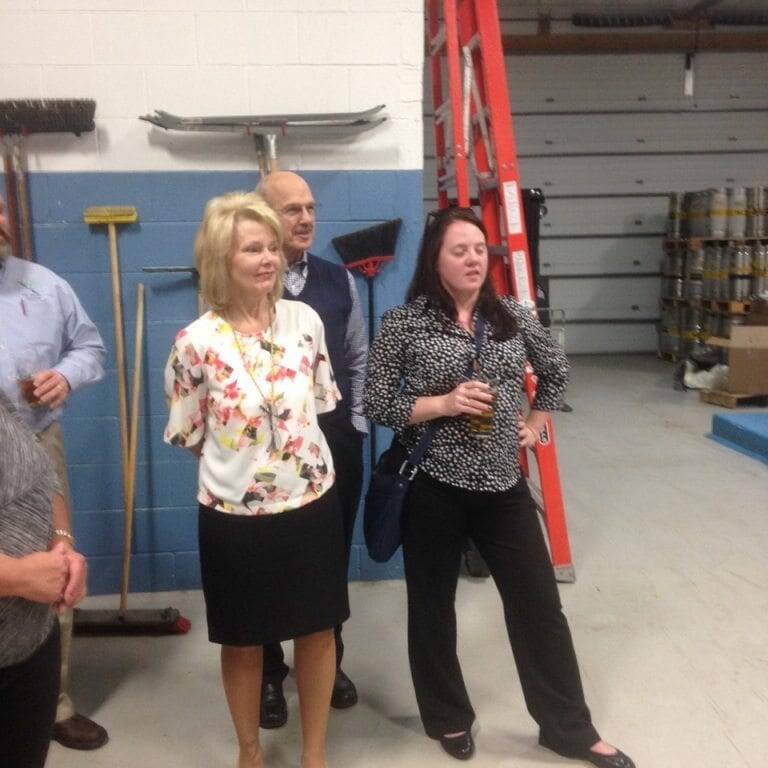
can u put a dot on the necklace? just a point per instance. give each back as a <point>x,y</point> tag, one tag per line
<point>269,402</point>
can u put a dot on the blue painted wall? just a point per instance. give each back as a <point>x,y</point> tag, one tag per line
<point>169,207</point>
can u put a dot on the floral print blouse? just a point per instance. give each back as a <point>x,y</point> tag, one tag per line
<point>252,401</point>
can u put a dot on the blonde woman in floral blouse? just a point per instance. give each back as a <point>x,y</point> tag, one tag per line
<point>426,365</point>
<point>245,383</point>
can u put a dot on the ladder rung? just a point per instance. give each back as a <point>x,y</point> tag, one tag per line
<point>441,112</point>
<point>498,250</point>
<point>486,181</point>
<point>485,112</point>
<point>438,41</point>
<point>473,41</point>
<point>445,180</point>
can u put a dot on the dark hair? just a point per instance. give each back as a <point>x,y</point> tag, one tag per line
<point>426,281</point>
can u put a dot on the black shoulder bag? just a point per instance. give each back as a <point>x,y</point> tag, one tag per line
<point>391,481</point>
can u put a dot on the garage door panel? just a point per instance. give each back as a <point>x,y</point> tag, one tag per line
<point>606,298</point>
<point>601,255</point>
<point>592,338</point>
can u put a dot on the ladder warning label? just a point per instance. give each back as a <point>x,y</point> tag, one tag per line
<point>522,284</point>
<point>512,206</point>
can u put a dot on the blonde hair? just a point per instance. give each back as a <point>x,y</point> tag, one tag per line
<point>215,239</point>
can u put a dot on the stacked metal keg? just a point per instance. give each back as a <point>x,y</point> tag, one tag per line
<point>759,269</point>
<point>717,251</point>
<point>718,214</point>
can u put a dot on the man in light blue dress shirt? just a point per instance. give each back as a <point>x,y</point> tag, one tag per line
<point>46,336</point>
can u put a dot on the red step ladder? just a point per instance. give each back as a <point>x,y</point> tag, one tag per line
<point>465,45</point>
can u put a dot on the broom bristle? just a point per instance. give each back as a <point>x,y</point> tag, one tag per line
<point>26,116</point>
<point>143,621</point>
<point>378,240</point>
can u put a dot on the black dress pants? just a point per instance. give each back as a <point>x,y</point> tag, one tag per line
<point>29,692</point>
<point>346,445</point>
<point>505,527</point>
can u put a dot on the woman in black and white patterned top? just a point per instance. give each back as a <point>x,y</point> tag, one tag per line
<point>470,484</point>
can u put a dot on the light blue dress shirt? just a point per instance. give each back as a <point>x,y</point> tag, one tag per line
<point>43,326</point>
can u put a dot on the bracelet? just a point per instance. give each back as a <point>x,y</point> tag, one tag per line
<point>65,534</point>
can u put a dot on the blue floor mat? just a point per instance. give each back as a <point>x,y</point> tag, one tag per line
<point>744,432</point>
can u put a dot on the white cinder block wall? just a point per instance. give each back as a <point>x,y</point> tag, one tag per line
<point>216,57</point>
<point>198,57</point>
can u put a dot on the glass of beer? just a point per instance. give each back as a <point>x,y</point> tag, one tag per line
<point>481,426</point>
<point>27,365</point>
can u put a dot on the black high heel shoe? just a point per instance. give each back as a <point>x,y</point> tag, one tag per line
<point>617,760</point>
<point>461,747</point>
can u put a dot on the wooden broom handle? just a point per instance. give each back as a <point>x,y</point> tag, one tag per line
<point>122,396</point>
<point>133,447</point>
<point>12,209</point>
<point>22,200</point>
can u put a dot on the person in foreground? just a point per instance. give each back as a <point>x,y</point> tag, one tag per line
<point>470,484</point>
<point>39,571</point>
<point>245,383</point>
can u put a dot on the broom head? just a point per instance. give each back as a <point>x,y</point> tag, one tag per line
<point>110,214</point>
<point>368,249</point>
<point>144,621</point>
<point>26,116</point>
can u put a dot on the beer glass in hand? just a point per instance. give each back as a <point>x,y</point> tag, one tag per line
<point>27,366</point>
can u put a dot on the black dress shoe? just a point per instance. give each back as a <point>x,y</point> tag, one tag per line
<point>344,692</point>
<point>617,760</point>
<point>461,747</point>
<point>274,710</point>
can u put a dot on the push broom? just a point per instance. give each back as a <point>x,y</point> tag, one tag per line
<point>124,621</point>
<point>367,250</point>
<point>20,118</point>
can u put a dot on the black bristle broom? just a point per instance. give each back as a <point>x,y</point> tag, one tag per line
<point>28,116</point>
<point>125,621</point>
<point>20,118</point>
<point>367,250</point>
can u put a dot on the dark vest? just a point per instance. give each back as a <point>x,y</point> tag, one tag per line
<point>327,292</point>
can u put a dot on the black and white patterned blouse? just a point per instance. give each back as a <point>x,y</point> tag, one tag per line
<point>419,351</point>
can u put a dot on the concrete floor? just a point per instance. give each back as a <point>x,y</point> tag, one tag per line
<point>669,613</point>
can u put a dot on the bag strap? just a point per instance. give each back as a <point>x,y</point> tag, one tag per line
<point>410,466</point>
<point>479,333</point>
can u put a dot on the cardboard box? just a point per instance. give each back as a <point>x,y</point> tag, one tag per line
<point>747,359</point>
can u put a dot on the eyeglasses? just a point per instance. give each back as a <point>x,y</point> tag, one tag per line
<point>295,211</point>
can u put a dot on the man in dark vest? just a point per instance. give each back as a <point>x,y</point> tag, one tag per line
<point>330,290</point>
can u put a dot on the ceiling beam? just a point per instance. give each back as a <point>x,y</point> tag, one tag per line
<point>677,41</point>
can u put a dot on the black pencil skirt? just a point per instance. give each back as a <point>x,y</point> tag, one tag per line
<point>268,578</point>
